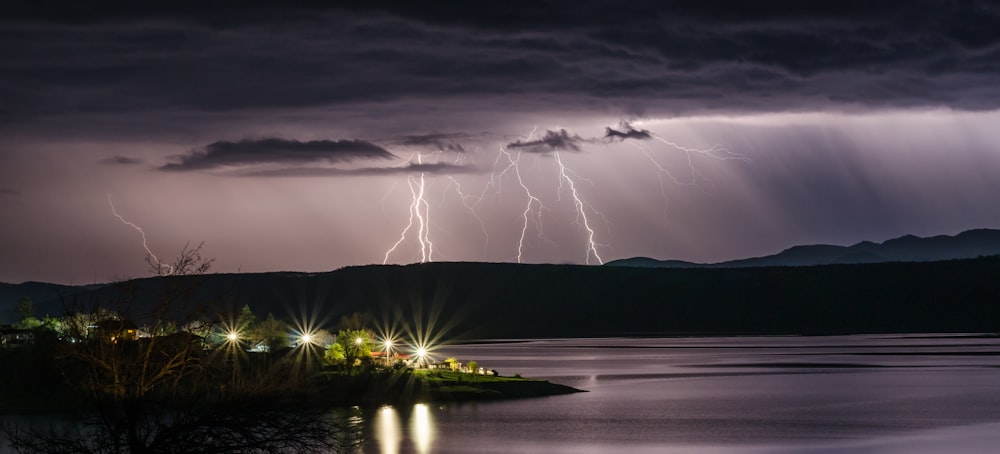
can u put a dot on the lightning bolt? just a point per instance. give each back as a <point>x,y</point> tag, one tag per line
<point>472,208</point>
<point>532,200</point>
<point>145,245</point>
<point>662,171</point>
<point>532,204</point>
<point>419,210</point>
<point>426,246</point>
<point>507,169</point>
<point>514,164</point>
<point>580,209</point>
<point>715,152</point>
<point>454,185</point>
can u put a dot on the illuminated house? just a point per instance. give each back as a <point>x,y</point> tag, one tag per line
<point>14,337</point>
<point>114,330</point>
<point>392,358</point>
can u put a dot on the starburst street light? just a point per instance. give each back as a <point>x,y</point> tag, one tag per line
<point>306,338</point>
<point>421,357</point>
<point>388,351</point>
<point>233,336</point>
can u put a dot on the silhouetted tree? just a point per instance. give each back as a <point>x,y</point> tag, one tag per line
<point>272,332</point>
<point>355,321</point>
<point>25,308</point>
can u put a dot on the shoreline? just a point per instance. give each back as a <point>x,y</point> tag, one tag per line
<point>332,390</point>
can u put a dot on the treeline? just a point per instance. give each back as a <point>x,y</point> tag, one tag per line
<point>482,300</point>
<point>476,300</point>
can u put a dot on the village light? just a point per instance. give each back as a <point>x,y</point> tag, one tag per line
<point>421,357</point>
<point>233,336</point>
<point>358,341</point>
<point>306,338</point>
<point>388,350</point>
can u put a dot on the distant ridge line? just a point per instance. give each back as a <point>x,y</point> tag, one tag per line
<point>907,248</point>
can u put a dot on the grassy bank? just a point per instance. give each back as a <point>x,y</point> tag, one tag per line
<point>458,386</point>
<point>336,388</point>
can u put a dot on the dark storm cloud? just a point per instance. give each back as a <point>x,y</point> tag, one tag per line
<point>436,141</point>
<point>551,141</point>
<point>277,151</point>
<point>121,160</point>
<point>626,131</point>
<point>409,168</point>
<point>120,57</point>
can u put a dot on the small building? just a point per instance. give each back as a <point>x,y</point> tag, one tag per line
<point>114,330</point>
<point>11,337</point>
<point>379,356</point>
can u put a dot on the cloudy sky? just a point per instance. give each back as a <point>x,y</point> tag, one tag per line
<point>292,136</point>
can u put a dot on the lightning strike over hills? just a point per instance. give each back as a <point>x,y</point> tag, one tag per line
<point>424,217</point>
<point>532,200</point>
<point>508,165</point>
<point>580,210</point>
<point>161,268</point>
<point>419,209</point>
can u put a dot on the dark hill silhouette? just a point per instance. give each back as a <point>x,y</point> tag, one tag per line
<point>908,248</point>
<point>486,300</point>
<point>39,292</point>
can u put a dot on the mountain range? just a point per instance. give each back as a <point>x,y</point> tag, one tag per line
<point>505,300</point>
<point>908,248</point>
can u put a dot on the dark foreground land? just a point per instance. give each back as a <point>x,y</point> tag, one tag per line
<point>122,397</point>
<point>37,381</point>
<point>484,300</point>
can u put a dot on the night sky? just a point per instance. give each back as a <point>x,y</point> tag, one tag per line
<point>295,135</point>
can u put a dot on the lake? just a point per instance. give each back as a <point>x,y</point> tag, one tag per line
<point>863,393</point>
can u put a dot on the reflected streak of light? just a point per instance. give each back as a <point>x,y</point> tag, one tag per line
<point>422,427</point>
<point>388,430</point>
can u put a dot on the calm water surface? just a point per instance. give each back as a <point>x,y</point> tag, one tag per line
<point>884,393</point>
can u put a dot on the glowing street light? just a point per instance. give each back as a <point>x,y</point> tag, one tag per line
<point>388,350</point>
<point>421,357</point>
<point>306,338</point>
<point>358,341</point>
<point>233,336</point>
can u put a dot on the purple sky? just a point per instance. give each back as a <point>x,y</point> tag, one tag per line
<point>289,136</point>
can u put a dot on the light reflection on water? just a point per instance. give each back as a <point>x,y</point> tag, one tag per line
<point>751,394</point>
<point>423,428</point>
<point>388,430</point>
<point>389,434</point>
